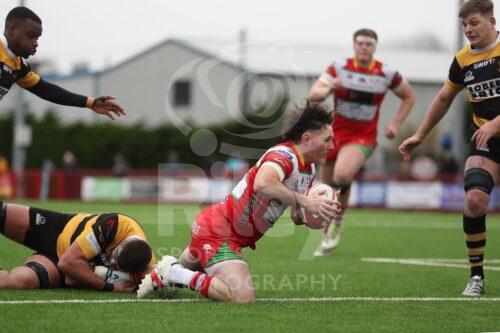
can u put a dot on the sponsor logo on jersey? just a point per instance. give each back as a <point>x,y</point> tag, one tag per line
<point>484,90</point>
<point>39,219</point>
<point>468,76</point>
<point>195,229</point>
<point>248,209</point>
<point>7,69</point>
<point>105,260</point>
<point>484,63</point>
<point>207,248</point>
<point>288,154</point>
<point>485,148</point>
<point>94,243</point>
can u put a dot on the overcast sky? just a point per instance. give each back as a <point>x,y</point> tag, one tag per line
<point>107,32</point>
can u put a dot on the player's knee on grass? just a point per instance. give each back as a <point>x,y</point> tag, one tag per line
<point>45,270</point>
<point>22,278</point>
<point>239,282</point>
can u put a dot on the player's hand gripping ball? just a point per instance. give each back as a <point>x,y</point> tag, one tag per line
<point>314,221</point>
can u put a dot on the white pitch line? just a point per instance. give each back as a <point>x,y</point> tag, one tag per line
<point>410,224</point>
<point>425,262</point>
<point>306,299</point>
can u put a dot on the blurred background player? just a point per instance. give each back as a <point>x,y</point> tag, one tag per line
<point>358,86</point>
<point>19,41</point>
<point>475,67</point>
<point>67,244</point>
<point>278,180</point>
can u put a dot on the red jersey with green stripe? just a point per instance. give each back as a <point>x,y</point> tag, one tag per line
<point>249,213</point>
<point>360,96</point>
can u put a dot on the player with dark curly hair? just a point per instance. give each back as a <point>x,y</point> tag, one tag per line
<point>213,263</point>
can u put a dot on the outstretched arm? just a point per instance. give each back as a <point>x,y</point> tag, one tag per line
<point>55,94</point>
<point>434,114</point>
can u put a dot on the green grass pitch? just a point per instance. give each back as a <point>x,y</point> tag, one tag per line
<point>344,292</point>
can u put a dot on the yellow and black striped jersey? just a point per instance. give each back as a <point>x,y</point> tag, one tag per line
<point>479,71</point>
<point>14,69</point>
<point>99,235</point>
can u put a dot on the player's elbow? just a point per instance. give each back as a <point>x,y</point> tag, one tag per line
<point>315,96</point>
<point>64,264</point>
<point>259,185</point>
<point>410,98</point>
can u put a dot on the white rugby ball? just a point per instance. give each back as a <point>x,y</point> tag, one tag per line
<point>314,221</point>
<point>111,276</point>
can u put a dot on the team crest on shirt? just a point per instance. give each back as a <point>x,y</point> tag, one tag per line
<point>469,76</point>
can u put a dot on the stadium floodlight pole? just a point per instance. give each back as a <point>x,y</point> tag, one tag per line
<point>243,71</point>
<point>459,135</point>
<point>19,140</point>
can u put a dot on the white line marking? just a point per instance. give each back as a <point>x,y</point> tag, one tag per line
<point>307,299</point>
<point>436,262</point>
<point>411,224</point>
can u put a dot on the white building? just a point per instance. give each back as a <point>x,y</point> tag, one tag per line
<point>200,82</point>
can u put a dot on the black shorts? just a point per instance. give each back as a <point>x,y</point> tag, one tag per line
<point>45,228</point>
<point>492,150</point>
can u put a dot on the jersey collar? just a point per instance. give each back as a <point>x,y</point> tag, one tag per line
<point>297,152</point>
<point>370,67</point>
<point>6,46</point>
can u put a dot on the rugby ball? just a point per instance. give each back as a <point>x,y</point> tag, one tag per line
<point>314,221</point>
<point>111,276</point>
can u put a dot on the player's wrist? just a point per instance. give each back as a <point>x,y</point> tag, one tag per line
<point>301,200</point>
<point>90,102</point>
<point>108,287</point>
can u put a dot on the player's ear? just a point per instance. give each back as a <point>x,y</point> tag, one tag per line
<point>9,29</point>
<point>306,137</point>
<point>493,21</point>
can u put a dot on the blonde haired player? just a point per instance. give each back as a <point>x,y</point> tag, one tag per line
<point>358,86</point>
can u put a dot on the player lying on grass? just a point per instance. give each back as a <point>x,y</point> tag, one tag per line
<point>68,246</point>
<point>213,264</point>
<point>19,41</point>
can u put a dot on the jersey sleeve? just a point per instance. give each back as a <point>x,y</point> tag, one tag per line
<point>27,77</point>
<point>330,73</point>
<point>396,81</point>
<point>88,244</point>
<point>455,77</point>
<point>281,161</point>
<point>394,78</point>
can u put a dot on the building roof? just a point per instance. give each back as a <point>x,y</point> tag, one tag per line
<point>308,59</point>
<point>304,59</point>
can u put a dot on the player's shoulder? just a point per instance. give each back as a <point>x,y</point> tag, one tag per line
<point>386,68</point>
<point>339,62</point>
<point>464,54</point>
<point>285,149</point>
